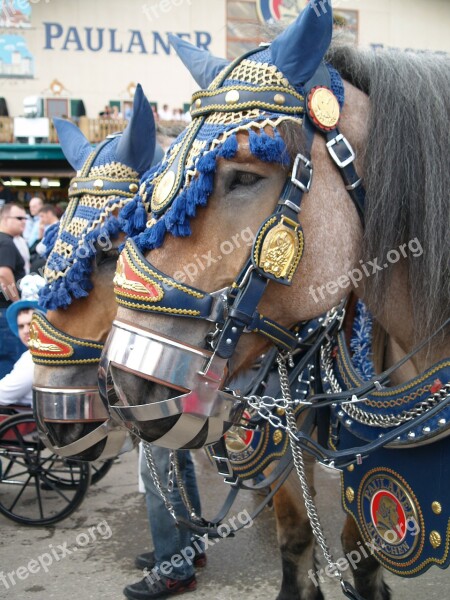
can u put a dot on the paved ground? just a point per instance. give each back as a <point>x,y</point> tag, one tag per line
<point>246,566</point>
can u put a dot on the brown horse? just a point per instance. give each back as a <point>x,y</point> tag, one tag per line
<point>232,159</point>
<point>83,251</point>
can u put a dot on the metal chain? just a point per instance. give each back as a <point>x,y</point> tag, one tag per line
<point>373,419</point>
<point>156,479</point>
<point>299,463</point>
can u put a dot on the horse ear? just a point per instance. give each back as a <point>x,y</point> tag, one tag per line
<point>202,65</point>
<point>75,146</point>
<point>299,50</point>
<point>136,146</point>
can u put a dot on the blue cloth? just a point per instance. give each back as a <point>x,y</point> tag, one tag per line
<point>11,348</point>
<point>168,538</point>
<point>31,232</point>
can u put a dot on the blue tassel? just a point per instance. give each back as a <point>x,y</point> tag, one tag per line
<point>229,147</point>
<point>207,163</point>
<point>265,147</point>
<point>152,237</point>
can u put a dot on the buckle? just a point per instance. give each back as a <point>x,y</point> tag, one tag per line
<point>344,144</point>
<point>225,469</point>
<point>306,164</point>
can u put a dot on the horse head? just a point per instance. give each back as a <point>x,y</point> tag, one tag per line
<point>82,252</point>
<point>231,170</point>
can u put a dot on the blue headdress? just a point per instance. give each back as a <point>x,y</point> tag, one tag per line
<point>264,88</point>
<point>107,180</point>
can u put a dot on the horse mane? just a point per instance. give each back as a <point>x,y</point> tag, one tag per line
<point>406,172</point>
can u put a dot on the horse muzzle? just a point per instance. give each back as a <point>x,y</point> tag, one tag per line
<point>200,410</point>
<point>63,414</point>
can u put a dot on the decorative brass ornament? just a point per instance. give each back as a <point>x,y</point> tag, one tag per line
<point>277,436</point>
<point>351,468</point>
<point>350,494</point>
<point>133,187</point>
<point>232,97</point>
<point>198,103</point>
<point>280,411</point>
<point>324,107</point>
<point>236,439</point>
<point>98,184</point>
<point>279,99</point>
<point>163,189</point>
<point>435,539</point>
<point>74,185</point>
<point>36,344</point>
<point>280,249</point>
<point>121,280</point>
<point>436,507</point>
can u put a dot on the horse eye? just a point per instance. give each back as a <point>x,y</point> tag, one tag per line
<point>245,179</point>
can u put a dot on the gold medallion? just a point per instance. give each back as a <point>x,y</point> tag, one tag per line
<point>324,108</point>
<point>163,190</point>
<point>281,250</point>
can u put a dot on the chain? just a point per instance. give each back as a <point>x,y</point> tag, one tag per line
<point>156,479</point>
<point>374,419</point>
<point>299,463</point>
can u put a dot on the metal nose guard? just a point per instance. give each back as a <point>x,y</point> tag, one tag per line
<point>174,364</point>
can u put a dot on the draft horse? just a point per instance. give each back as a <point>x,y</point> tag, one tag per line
<point>372,223</point>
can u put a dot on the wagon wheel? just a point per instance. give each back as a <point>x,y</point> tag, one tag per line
<point>37,487</point>
<point>99,468</point>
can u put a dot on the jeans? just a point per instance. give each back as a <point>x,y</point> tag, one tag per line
<point>168,538</point>
<point>11,348</point>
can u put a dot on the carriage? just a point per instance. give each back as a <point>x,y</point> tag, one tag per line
<point>342,297</point>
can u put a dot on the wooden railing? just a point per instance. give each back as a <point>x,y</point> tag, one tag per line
<point>95,130</point>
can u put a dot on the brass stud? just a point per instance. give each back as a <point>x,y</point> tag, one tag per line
<point>232,97</point>
<point>277,436</point>
<point>198,103</point>
<point>436,507</point>
<point>435,539</point>
<point>98,184</point>
<point>133,188</point>
<point>279,99</point>
<point>351,468</point>
<point>280,411</point>
<point>74,185</point>
<point>350,494</point>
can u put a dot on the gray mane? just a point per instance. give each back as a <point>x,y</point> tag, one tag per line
<point>407,174</point>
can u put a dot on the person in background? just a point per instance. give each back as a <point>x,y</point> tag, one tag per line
<point>16,386</point>
<point>165,114</point>
<point>12,269</point>
<point>31,233</point>
<point>48,216</point>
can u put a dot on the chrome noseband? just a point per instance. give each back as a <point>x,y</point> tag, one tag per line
<point>205,410</point>
<point>78,406</point>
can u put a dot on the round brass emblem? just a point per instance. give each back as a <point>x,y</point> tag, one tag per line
<point>279,99</point>
<point>163,190</point>
<point>436,507</point>
<point>98,184</point>
<point>324,108</point>
<point>133,188</point>
<point>435,539</point>
<point>198,103</point>
<point>350,494</point>
<point>232,97</point>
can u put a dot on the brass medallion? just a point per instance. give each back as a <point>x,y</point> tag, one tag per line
<point>163,190</point>
<point>350,494</point>
<point>277,436</point>
<point>435,539</point>
<point>280,250</point>
<point>324,108</point>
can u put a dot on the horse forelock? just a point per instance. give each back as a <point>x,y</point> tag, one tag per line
<point>406,173</point>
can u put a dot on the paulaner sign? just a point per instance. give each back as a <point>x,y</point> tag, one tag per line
<point>101,39</point>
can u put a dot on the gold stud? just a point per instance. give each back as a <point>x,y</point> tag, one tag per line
<point>98,184</point>
<point>277,436</point>
<point>436,507</point>
<point>351,468</point>
<point>279,99</point>
<point>74,185</point>
<point>280,411</point>
<point>435,539</point>
<point>350,494</point>
<point>198,103</point>
<point>133,188</point>
<point>232,97</point>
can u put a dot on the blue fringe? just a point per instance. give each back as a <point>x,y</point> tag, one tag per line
<point>361,342</point>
